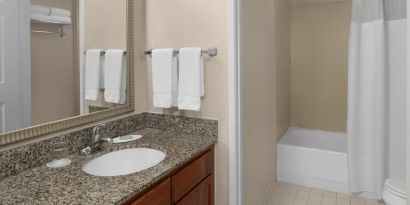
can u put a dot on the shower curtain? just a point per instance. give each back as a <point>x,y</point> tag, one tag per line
<point>376,94</point>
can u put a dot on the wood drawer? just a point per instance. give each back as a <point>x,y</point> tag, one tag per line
<point>203,194</point>
<point>189,177</point>
<point>159,195</point>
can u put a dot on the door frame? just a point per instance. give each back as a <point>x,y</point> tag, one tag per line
<point>234,81</point>
<point>408,106</point>
<point>81,48</point>
<point>25,61</point>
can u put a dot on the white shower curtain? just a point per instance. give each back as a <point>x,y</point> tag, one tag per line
<point>376,94</point>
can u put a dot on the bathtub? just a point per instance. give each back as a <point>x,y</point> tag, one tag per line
<point>314,158</point>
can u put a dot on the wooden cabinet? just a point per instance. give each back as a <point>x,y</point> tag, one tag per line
<point>191,184</point>
<point>160,195</point>
<point>190,176</point>
<point>203,194</point>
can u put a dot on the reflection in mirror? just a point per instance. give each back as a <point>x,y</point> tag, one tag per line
<point>64,77</point>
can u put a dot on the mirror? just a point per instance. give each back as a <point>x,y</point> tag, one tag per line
<point>51,76</point>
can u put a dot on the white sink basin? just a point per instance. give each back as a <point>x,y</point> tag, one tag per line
<point>124,162</point>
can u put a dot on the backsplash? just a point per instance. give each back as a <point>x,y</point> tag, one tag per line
<point>36,154</point>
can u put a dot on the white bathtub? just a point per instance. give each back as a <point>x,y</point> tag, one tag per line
<point>314,158</point>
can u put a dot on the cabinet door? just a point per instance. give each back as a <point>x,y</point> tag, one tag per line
<point>189,177</point>
<point>159,195</point>
<point>201,194</point>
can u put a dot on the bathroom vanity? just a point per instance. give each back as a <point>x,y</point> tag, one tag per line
<point>185,176</point>
<point>192,184</point>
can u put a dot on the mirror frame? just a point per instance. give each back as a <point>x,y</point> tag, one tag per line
<point>60,125</point>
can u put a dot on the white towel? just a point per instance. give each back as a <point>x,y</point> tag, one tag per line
<point>162,77</point>
<point>191,79</point>
<point>92,73</point>
<point>175,76</point>
<point>60,19</point>
<point>38,9</point>
<point>40,17</point>
<point>115,76</point>
<point>59,12</point>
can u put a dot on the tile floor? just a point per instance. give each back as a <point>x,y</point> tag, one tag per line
<point>290,194</point>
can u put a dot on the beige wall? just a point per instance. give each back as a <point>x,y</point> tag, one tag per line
<point>53,71</point>
<point>282,68</point>
<point>105,24</point>
<point>319,50</point>
<point>257,47</point>
<point>201,23</point>
<point>140,60</point>
<point>265,75</point>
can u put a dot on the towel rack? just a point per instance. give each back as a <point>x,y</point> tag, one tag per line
<point>211,52</point>
<point>103,53</point>
<point>61,33</point>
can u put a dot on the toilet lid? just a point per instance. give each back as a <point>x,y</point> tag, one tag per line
<point>397,186</point>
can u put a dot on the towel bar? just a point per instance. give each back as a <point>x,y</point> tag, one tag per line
<point>60,33</point>
<point>211,52</point>
<point>103,53</point>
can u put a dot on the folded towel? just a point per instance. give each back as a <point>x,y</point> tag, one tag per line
<point>59,12</point>
<point>40,17</point>
<point>115,74</point>
<point>60,19</point>
<point>191,79</point>
<point>54,19</point>
<point>92,73</point>
<point>38,9</point>
<point>162,77</point>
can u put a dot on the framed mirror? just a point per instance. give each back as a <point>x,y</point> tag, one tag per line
<point>51,77</point>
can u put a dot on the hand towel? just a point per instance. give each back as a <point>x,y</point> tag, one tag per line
<point>60,12</point>
<point>92,73</point>
<point>123,97</point>
<point>115,76</point>
<point>191,79</point>
<point>38,9</point>
<point>175,73</point>
<point>162,77</point>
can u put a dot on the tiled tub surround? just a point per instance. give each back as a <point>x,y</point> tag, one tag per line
<point>31,182</point>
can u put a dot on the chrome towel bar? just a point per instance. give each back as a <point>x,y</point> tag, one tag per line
<point>59,33</point>
<point>103,53</point>
<point>211,52</point>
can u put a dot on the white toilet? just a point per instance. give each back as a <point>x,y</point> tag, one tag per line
<point>394,192</point>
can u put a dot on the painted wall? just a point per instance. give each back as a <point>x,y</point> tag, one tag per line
<point>200,23</point>
<point>319,53</point>
<point>282,68</point>
<point>105,24</point>
<point>265,71</point>
<point>54,72</point>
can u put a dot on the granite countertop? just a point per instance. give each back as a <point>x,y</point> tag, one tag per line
<point>70,185</point>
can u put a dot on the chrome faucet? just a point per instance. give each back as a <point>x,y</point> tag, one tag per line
<point>96,141</point>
